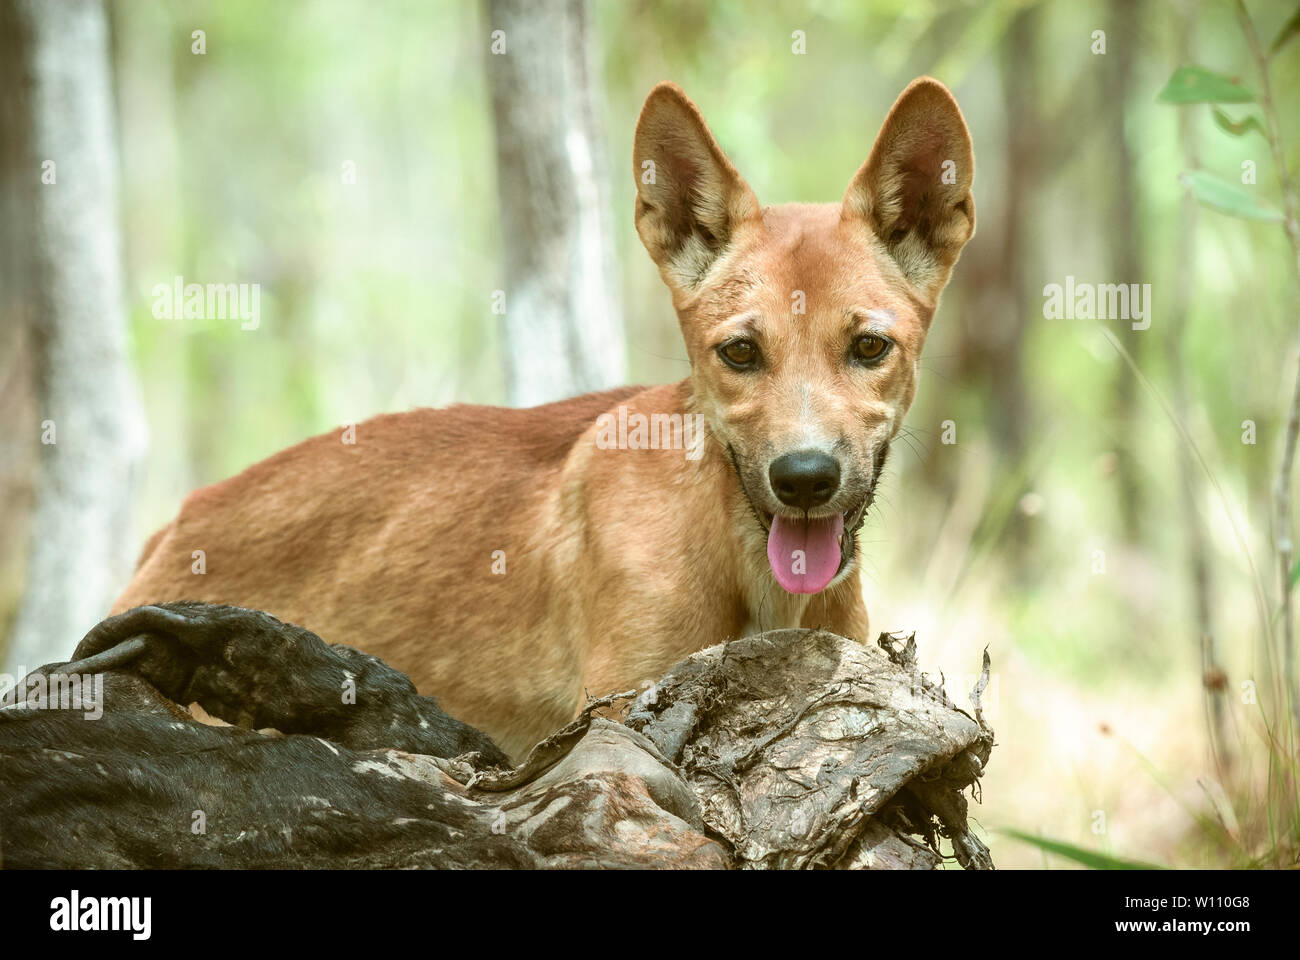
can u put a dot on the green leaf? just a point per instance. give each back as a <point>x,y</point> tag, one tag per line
<point>1295,575</point>
<point>1227,197</point>
<point>1236,128</point>
<point>1288,31</point>
<point>1089,858</point>
<point>1199,85</point>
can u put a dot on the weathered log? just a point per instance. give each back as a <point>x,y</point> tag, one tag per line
<point>794,740</point>
<point>791,749</point>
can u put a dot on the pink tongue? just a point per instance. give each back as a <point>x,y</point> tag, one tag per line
<point>805,554</point>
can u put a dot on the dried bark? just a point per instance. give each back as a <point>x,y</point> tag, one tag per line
<point>795,739</point>
<point>791,749</point>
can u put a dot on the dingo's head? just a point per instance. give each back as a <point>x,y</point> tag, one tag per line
<point>804,322</point>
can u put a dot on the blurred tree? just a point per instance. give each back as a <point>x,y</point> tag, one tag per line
<point>1123,227</point>
<point>1003,271</point>
<point>562,325</point>
<point>17,381</point>
<point>1003,352</point>
<point>1213,678</point>
<point>61,178</point>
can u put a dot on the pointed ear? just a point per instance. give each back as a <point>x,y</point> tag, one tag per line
<point>914,191</point>
<point>689,198</point>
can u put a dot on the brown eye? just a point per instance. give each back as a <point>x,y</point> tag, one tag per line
<point>740,354</point>
<point>870,348</point>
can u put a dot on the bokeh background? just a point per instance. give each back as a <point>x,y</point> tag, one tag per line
<point>376,296</point>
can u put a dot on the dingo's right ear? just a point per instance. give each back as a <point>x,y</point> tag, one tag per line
<point>689,198</point>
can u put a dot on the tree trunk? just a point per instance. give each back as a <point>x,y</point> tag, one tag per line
<point>1213,678</point>
<point>1124,225</point>
<point>562,329</point>
<point>1004,274</point>
<point>61,175</point>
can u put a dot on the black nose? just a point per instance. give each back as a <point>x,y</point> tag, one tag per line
<point>805,478</point>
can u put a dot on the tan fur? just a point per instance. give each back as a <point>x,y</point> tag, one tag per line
<point>618,561</point>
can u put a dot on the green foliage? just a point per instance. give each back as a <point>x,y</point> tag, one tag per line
<point>1200,85</point>
<point>1192,85</point>
<point>1088,858</point>
<point>1227,197</point>
<point>1236,128</point>
<point>1288,32</point>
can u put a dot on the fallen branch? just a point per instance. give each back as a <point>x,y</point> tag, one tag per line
<point>794,748</point>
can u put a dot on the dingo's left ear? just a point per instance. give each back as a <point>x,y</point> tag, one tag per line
<point>914,191</point>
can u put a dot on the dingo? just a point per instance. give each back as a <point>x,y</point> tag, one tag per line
<point>509,560</point>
